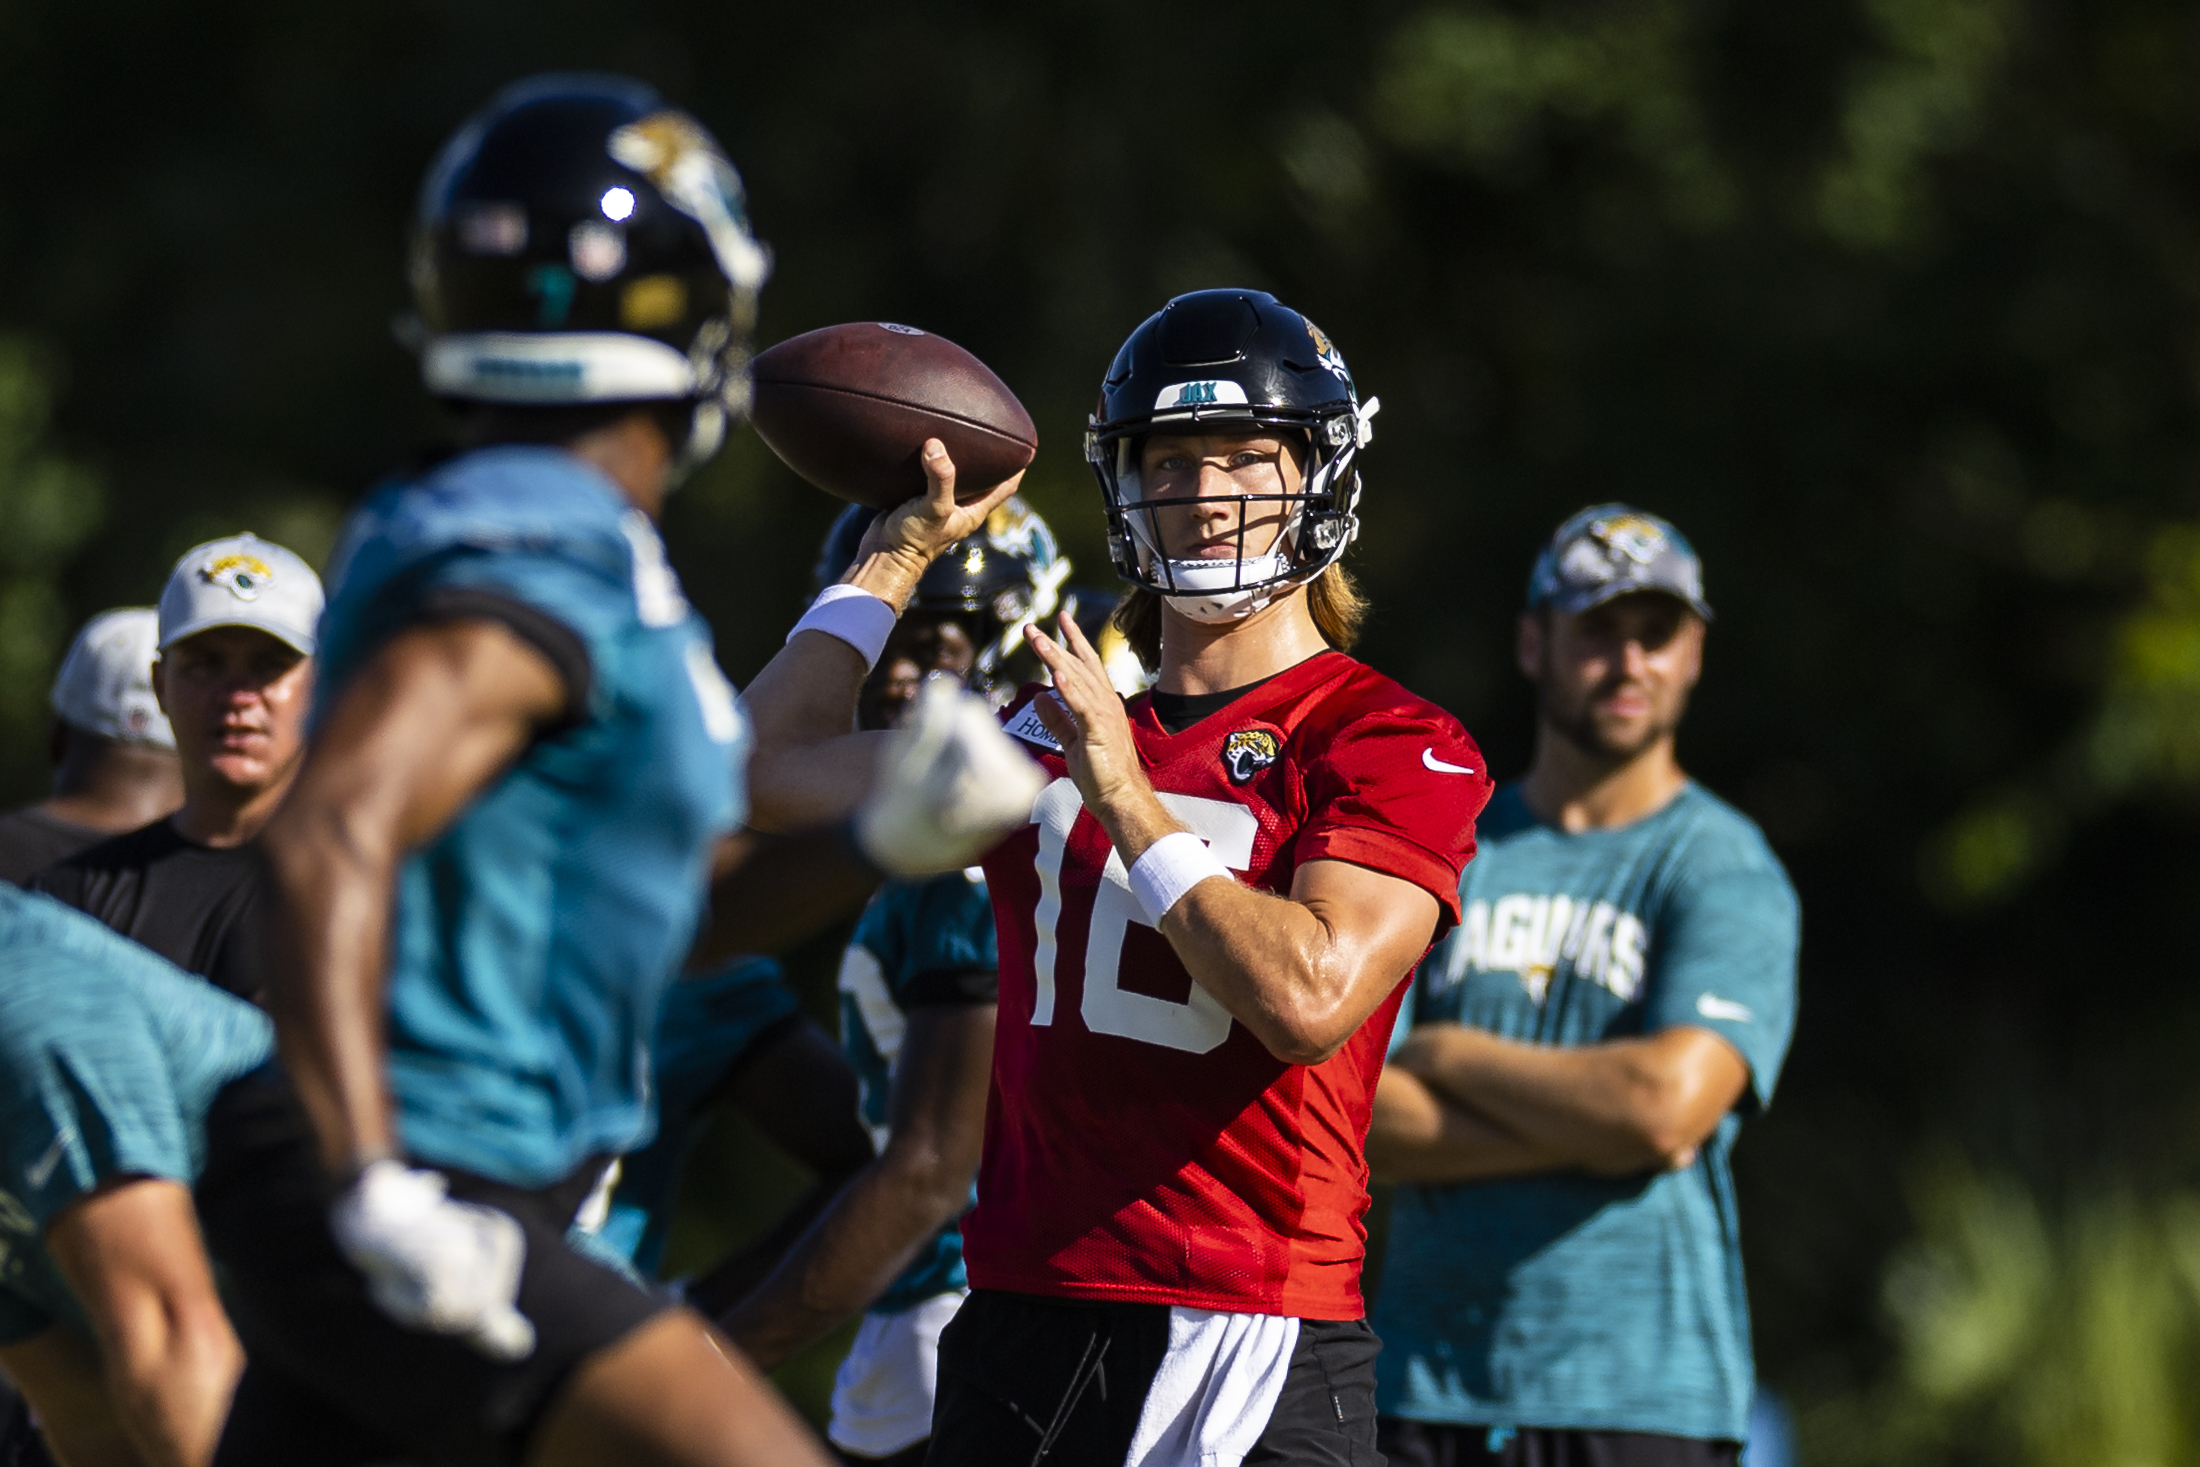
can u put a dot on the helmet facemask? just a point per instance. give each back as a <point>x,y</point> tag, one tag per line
<point>1319,518</point>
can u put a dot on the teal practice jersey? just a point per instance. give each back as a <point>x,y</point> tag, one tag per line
<point>109,1060</point>
<point>711,1026</point>
<point>534,938</point>
<point>1566,1300</point>
<point>917,943</point>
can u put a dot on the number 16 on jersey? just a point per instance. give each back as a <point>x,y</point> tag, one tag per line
<point>1200,1022</point>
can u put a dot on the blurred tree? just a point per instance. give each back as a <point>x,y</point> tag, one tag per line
<point>1889,303</point>
<point>50,506</point>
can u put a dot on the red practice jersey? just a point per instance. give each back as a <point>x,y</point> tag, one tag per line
<point>1139,1143</point>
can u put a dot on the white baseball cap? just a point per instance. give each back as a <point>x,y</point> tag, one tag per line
<point>242,581</point>
<point>105,685</point>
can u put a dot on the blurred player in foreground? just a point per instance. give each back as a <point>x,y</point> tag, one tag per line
<point>114,758</point>
<point>1203,940</point>
<point>1564,1280</point>
<point>495,857</point>
<point>235,676</point>
<point>917,990</point>
<point>109,1058</point>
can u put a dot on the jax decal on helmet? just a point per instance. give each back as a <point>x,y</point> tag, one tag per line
<point>1218,360</point>
<point>581,241</point>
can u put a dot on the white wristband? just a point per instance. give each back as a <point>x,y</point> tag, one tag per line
<point>1172,866</point>
<point>852,614</point>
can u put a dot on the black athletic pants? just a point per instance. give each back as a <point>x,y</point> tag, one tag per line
<point>1041,1382</point>
<point>333,1381</point>
<point>1423,1444</point>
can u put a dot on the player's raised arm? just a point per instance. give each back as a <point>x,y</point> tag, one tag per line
<point>807,768</point>
<point>434,717</point>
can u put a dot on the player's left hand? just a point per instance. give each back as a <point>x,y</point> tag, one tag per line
<point>1086,714</point>
<point>901,544</point>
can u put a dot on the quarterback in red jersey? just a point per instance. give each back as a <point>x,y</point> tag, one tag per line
<point>1204,936</point>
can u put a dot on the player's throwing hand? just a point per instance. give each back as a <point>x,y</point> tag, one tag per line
<point>901,544</point>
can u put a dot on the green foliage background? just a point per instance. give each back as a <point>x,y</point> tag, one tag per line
<point>1889,303</point>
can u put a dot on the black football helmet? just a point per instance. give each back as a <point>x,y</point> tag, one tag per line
<point>997,583</point>
<point>1227,358</point>
<point>580,241</point>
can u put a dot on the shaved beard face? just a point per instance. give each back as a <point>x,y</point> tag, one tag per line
<point>1613,721</point>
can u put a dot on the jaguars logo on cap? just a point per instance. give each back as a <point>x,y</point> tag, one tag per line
<point>1248,751</point>
<point>245,576</point>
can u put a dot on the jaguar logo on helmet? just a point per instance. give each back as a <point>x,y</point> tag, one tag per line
<point>672,151</point>
<point>1328,355</point>
<point>1248,751</point>
<point>244,576</point>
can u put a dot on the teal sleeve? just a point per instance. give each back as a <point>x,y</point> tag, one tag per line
<point>951,932</point>
<point>99,1106</point>
<point>1725,961</point>
<point>594,611</point>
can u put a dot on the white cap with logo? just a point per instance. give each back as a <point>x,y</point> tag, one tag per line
<point>105,685</point>
<point>242,581</point>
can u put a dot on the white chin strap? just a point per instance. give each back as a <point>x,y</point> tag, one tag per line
<point>1217,591</point>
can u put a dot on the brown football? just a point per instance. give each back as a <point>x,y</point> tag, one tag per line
<point>849,407</point>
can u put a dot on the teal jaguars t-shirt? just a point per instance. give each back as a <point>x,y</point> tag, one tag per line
<point>109,1060</point>
<point>917,943</point>
<point>1566,1300</point>
<point>534,938</point>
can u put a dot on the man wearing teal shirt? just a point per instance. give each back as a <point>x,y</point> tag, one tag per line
<point>1563,1286</point>
<point>109,1060</point>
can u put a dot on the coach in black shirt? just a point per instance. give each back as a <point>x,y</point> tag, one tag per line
<point>235,678</point>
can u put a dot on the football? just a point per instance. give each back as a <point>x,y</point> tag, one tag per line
<point>849,407</point>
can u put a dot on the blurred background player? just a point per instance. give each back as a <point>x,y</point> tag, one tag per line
<point>496,854</point>
<point>736,1036</point>
<point>114,758</point>
<point>238,620</point>
<point>1203,941</point>
<point>109,1058</point>
<point>917,990</point>
<point>1563,1284</point>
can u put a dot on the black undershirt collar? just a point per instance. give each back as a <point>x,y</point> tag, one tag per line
<point>1179,711</point>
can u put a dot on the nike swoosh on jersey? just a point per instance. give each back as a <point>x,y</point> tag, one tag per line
<point>41,1170</point>
<point>1711,1006</point>
<point>1428,758</point>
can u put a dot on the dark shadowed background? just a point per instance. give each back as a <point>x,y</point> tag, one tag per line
<point>1890,304</point>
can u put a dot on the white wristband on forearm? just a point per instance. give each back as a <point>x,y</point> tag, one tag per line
<point>852,614</point>
<point>1172,866</point>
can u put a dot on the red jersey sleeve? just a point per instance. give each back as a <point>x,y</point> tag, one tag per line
<point>1396,787</point>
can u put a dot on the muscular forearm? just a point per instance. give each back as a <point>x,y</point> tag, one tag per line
<point>807,767</point>
<point>1420,1136</point>
<point>172,1386</point>
<point>1277,965</point>
<point>333,897</point>
<point>857,1249</point>
<point>1300,972</point>
<point>1612,1108</point>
